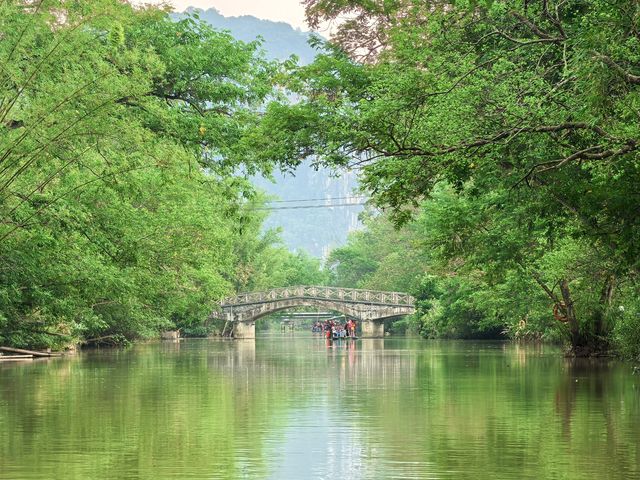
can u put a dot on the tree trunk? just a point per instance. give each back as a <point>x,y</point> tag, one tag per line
<point>30,352</point>
<point>577,340</point>
<point>224,330</point>
<point>601,329</point>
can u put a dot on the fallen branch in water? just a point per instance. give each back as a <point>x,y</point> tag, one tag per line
<point>9,358</point>
<point>114,339</point>
<point>30,352</point>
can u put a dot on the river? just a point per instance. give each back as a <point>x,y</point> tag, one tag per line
<point>292,407</point>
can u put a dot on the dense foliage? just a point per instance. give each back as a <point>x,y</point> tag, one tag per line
<point>124,208</point>
<point>513,126</point>
<point>503,134</point>
<point>310,229</point>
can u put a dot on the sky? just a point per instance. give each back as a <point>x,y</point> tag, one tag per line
<point>289,11</point>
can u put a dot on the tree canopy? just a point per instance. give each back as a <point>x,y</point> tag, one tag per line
<point>124,201</point>
<point>503,135</point>
<point>526,111</point>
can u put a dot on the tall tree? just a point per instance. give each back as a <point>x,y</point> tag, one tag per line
<point>528,110</point>
<point>122,188</point>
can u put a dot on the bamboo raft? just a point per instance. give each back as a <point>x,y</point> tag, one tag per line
<point>13,358</point>
<point>16,354</point>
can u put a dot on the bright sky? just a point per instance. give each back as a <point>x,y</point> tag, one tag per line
<point>289,11</point>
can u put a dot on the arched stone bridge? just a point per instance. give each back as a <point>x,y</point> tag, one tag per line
<point>369,307</point>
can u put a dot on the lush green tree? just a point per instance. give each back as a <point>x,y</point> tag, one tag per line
<point>528,110</point>
<point>379,257</point>
<point>124,203</point>
<point>298,269</point>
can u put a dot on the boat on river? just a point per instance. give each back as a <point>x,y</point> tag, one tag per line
<point>336,336</point>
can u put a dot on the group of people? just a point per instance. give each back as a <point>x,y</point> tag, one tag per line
<point>331,329</point>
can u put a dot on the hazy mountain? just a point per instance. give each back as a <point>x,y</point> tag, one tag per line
<point>281,40</point>
<point>316,229</point>
<point>314,225</point>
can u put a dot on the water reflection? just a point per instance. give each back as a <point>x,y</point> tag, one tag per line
<point>299,407</point>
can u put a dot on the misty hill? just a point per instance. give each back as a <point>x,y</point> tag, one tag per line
<point>281,40</point>
<point>317,229</point>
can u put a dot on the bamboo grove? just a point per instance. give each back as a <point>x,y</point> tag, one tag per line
<point>124,206</point>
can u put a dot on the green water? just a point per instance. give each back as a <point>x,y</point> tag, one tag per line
<point>293,408</point>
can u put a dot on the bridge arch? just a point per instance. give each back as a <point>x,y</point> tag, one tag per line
<point>346,309</point>
<point>369,307</point>
<point>302,303</point>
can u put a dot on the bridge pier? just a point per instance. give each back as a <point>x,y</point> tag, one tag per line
<point>243,330</point>
<point>372,328</point>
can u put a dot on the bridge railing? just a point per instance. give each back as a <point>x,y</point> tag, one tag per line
<point>327,293</point>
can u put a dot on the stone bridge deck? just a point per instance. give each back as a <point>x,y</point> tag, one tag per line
<point>370,307</point>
